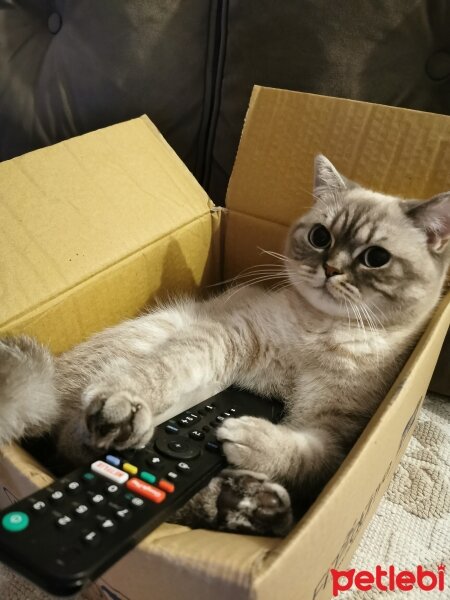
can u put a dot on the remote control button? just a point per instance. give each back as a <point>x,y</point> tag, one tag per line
<point>184,422</point>
<point>148,477</point>
<point>210,407</point>
<point>136,502</point>
<point>123,513</point>
<point>197,435</point>
<point>112,489</point>
<point>183,467</point>
<point>171,429</point>
<point>56,496</point>
<point>64,521</point>
<point>15,521</point>
<point>154,462</point>
<point>81,510</point>
<point>131,469</point>
<point>212,447</point>
<point>109,471</point>
<point>91,538</point>
<point>172,475</point>
<point>233,411</point>
<point>166,486</point>
<point>73,487</point>
<point>113,460</point>
<point>178,447</point>
<point>89,478</point>
<point>145,490</point>
<point>226,414</point>
<point>220,419</point>
<point>96,498</point>
<point>108,525</point>
<point>39,507</point>
<point>193,416</point>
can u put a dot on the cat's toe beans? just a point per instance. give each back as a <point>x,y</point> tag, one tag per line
<point>120,420</point>
<point>249,503</point>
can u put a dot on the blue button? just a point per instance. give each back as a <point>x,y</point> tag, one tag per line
<point>113,460</point>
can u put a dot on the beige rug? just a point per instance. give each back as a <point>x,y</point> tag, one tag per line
<point>411,526</point>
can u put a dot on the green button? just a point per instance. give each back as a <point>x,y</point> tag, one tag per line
<point>15,521</point>
<point>147,477</point>
<point>88,476</point>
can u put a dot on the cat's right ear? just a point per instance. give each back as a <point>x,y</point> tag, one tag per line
<point>326,175</point>
<point>433,216</point>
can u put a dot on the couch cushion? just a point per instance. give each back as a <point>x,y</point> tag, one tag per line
<point>70,67</point>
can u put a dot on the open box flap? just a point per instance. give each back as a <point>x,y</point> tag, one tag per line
<point>392,150</point>
<point>92,227</point>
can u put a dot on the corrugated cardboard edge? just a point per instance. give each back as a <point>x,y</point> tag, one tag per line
<point>412,381</point>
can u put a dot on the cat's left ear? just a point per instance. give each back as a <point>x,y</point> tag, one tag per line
<point>326,176</point>
<point>433,216</point>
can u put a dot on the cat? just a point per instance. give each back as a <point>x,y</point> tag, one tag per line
<point>365,271</point>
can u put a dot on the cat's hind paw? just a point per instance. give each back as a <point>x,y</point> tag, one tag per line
<point>117,419</point>
<point>250,503</point>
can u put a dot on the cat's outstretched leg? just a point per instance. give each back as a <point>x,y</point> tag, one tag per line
<point>239,501</point>
<point>28,400</point>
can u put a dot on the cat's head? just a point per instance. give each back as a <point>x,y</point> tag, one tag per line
<point>360,253</point>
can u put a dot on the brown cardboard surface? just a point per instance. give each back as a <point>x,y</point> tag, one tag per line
<point>169,247</point>
<point>93,227</point>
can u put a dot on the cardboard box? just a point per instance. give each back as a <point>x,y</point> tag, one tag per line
<point>94,228</point>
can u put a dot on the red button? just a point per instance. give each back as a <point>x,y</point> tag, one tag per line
<point>146,490</point>
<point>166,486</point>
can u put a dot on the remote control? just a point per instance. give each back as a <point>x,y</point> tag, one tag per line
<point>70,532</point>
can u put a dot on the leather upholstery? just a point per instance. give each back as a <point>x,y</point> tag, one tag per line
<point>67,67</point>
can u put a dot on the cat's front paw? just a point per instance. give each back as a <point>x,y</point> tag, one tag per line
<point>250,443</point>
<point>117,419</point>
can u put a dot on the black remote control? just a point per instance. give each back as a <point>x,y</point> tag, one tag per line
<point>70,532</point>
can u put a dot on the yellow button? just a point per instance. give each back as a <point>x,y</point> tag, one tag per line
<point>130,468</point>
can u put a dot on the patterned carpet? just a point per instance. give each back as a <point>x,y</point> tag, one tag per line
<point>411,526</point>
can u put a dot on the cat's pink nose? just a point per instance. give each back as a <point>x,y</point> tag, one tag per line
<point>330,270</point>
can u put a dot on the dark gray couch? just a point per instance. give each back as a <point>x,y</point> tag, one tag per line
<point>70,66</point>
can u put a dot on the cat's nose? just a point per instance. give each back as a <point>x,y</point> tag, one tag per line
<point>330,270</point>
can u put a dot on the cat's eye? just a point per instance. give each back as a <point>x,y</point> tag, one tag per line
<point>374,257</point>
<point>319,236</point>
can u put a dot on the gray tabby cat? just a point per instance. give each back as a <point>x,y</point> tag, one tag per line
<point>365,272</point>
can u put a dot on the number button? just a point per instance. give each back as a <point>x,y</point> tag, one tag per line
<point>96,498</point>
<point>91,538</point>
<point>108,525</point>
<point>56,496</point>
<point>197,435</point>
<point>172,475</point>
<point>81,510</point>
<point>112,489</point>
<point>64,521</point>
<point>39,507</point>
<point>123,513</point>
<point>73,487</point>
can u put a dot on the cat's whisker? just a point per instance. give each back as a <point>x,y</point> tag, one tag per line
<point>242,286</point>
<point>274,254</point>
<point>253,270</point>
